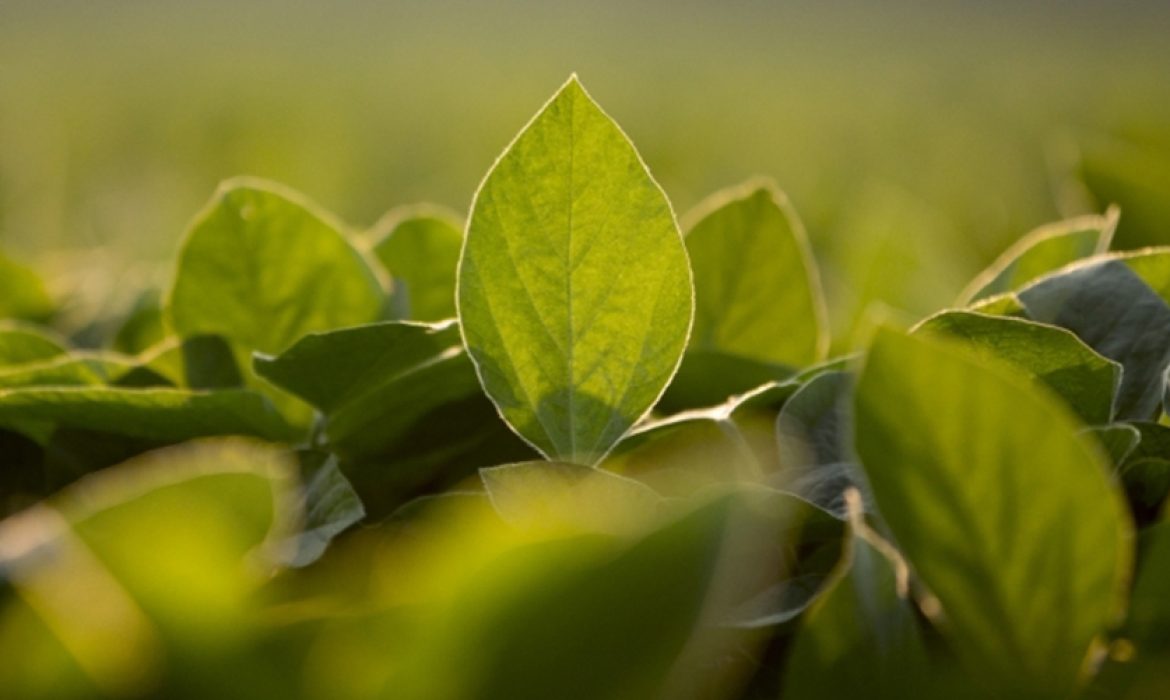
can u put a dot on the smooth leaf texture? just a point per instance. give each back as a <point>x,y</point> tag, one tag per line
<point>552,495</point>
<point>419,247</point>
<point>21,343</point>
<point>1116,313</point>
<point>757,291</point>
<point>93,619</point>
<point>165,415</point>
<point>575,292</point>
<point>262,266</point>
<point>67,370</point>
<point>1019,533</point>
<point>1048,248</point>
<point>330,507</point>
<point>1054,356</point>
<point>22,294</point>
<point>860,638</point>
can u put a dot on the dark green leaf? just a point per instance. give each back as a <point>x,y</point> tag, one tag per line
<point>419,246</point>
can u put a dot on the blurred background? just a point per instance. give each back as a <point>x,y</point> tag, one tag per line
<point>916,139</point>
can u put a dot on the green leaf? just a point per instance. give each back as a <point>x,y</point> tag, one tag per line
<point>1119,440</point>
<point>1005,512</point>
<point>22,294</point>
<point>575,292</point>
<point>1116,313</point>
<point>1043,250</point>
<point>860,638</point>
<point>143,327</point>
<point>165,415</point>
<point>67,370</point>
<point>262,266</point>
<point>136,581</point>
<point>330,506</point>
<point>757,292</point>
<point>1148,622</point>
<point>709,378</point>
<point>552,495</point>
<point>419,247</point>
<point>21,343</point>
<point>1054,356</point>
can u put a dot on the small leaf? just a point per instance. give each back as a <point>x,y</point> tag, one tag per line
<point>1117,314</point>
<point>709,378</point>
<point>330,506</point>
<point>262,266</point>
<point>419,247</point>
<point>1048,248</point>
<point>22,294</point>
<point>575,292</point>
<point>1005,512</point>
<point>757,291</point>
<point>21,343</point>
<point>1054,356</point>
<point>1119,440</point>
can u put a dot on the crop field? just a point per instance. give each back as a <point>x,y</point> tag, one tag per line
<point>501,351</point>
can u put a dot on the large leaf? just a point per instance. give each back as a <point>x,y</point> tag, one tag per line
<point>159,414</point>
<point>1006,512</point>
<point>757,291</point>
<point>1045,249</point>
<point>21,343</point>
<point>860,638</point>
<point>262,266</point>
<point>419,247</point>
<point>574,292</point>
<point>1116,313</point>
<point>1053,356</point>
<point>22,294</point>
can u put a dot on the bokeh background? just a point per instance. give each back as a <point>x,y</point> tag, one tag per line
<point>917,139</point>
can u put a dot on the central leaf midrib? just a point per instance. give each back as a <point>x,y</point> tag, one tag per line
<point>568,262</point>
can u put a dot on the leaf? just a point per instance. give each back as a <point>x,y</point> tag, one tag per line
<point>262,266</point>
<point>1041,251</point>
<point>555,495</point>
<point>709,378</point>
<point>67,370</point>
<point>1119,440</point>
<point>757,292</point>
<point>21,343</point>
<point>1148,622</point>
<point>22,294</point>
<point>167,415</point>
<point>574,291</point>
<point>1054,356</point>
<point>1005,512</point>
<point>143,327</point>
<point>419,247</point>
<point>1114,312</point>
<point>860,638</point>
<point>330,506</point>
<point>143,574</point>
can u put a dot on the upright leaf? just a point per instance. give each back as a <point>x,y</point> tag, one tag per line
<point>575,292</point>
<point>1120,316</point>
<point>262,266</point>
<point>757,291</point>
<point>1048,248</point>
<point>419,247</point>
<point>1005,512</point>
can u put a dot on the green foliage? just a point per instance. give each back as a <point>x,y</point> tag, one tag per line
<point>574,289</point>
<point>566,491</point>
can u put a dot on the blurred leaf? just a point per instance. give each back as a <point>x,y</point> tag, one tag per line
<point>1145,473</point>
<point>757,291</point>
<point>419,246</point>
<point>68,370</point>
<point>1119,440</point>
<point>22,294</point>
<point>262,266</point>
<point>21,343</point>
<point>1054,356</point>
<point>1004,501</point>
<point>574,287</point>
<point>1041,251</point>
<point>143,327</point>
<point>171,415</point>
<point>860,638</point>
<point>556,495</point>
<point>97,617</point>
<point>1135,176</point>
<point>1118,315</point>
